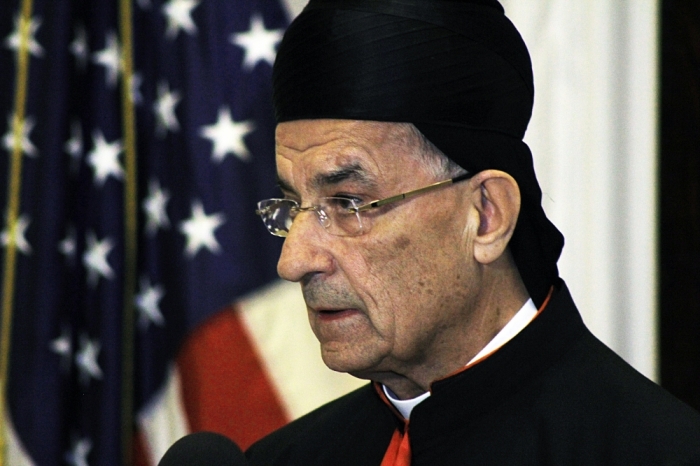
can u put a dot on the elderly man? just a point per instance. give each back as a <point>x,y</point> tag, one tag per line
<point>412,220</point>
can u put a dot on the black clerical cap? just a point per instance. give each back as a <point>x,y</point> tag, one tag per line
<point>457,69</point>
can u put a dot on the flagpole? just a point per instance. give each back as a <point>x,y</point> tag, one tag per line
<point>14,189</point>
<point>130,233</point>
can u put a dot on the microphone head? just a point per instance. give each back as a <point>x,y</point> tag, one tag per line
<point>203,448</point>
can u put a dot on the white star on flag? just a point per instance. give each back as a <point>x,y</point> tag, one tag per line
<point>179,16</point>
<point>164,108</point>
<point>154,207</point>
<point>199,230</point>
<point>259,43</point>
<point>25,127</point>
<point>79,453</point>
<point>147,302</point>
<point>63,347</point>
<point>74,146</point>
<point>95,258</point>
<point>79,47</point>
<point>110,58</point>
<point>67,246</point>
<point>13,41</point>
<point>19,237</point>
<point>104,158</point>
<point>86,359</point>
<point>227,136</point>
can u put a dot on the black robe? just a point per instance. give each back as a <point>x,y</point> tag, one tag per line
<point>553,395</point>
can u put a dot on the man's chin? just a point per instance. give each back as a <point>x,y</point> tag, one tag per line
<point>353,364</point>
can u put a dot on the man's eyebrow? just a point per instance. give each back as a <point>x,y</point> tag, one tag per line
<point>354,172</point>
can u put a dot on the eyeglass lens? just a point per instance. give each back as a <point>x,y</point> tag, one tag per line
<point>337,215</point>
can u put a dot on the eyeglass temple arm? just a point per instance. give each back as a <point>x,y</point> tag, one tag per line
<point>398,197</point>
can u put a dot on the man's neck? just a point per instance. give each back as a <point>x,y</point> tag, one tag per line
<point>501,295</point>
<point>521,319</point>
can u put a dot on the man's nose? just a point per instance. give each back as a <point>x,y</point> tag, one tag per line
<point>305,250</point>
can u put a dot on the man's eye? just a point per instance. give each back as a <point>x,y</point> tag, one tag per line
<point>344,202</point>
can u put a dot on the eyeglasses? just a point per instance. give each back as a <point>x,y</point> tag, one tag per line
<point>340,216</point>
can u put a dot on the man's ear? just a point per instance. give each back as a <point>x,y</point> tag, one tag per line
<point>497,199</point>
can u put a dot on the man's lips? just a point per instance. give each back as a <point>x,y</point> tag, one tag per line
<point>335,314</point>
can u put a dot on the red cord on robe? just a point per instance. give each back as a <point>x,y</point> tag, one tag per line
<point>399,451</point>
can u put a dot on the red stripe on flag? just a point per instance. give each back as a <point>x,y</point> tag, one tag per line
<point>141,456</point>
<point>224,384</point>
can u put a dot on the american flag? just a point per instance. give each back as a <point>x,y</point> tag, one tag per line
<point>117,248</point>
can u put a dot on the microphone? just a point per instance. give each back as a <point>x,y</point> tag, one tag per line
<point>203,449</point>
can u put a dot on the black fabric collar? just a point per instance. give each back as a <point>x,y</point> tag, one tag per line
<point>481,388</point>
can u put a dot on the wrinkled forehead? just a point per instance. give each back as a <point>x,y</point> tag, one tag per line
<point>316,155</point>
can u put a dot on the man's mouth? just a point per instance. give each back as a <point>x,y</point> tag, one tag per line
<point>333,314</point>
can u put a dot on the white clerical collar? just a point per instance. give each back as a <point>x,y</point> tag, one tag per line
<point>518,322</point>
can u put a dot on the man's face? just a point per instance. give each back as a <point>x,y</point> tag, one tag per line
<point>398,296</point>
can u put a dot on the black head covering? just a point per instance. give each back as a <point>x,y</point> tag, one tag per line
<point>457,69</point>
